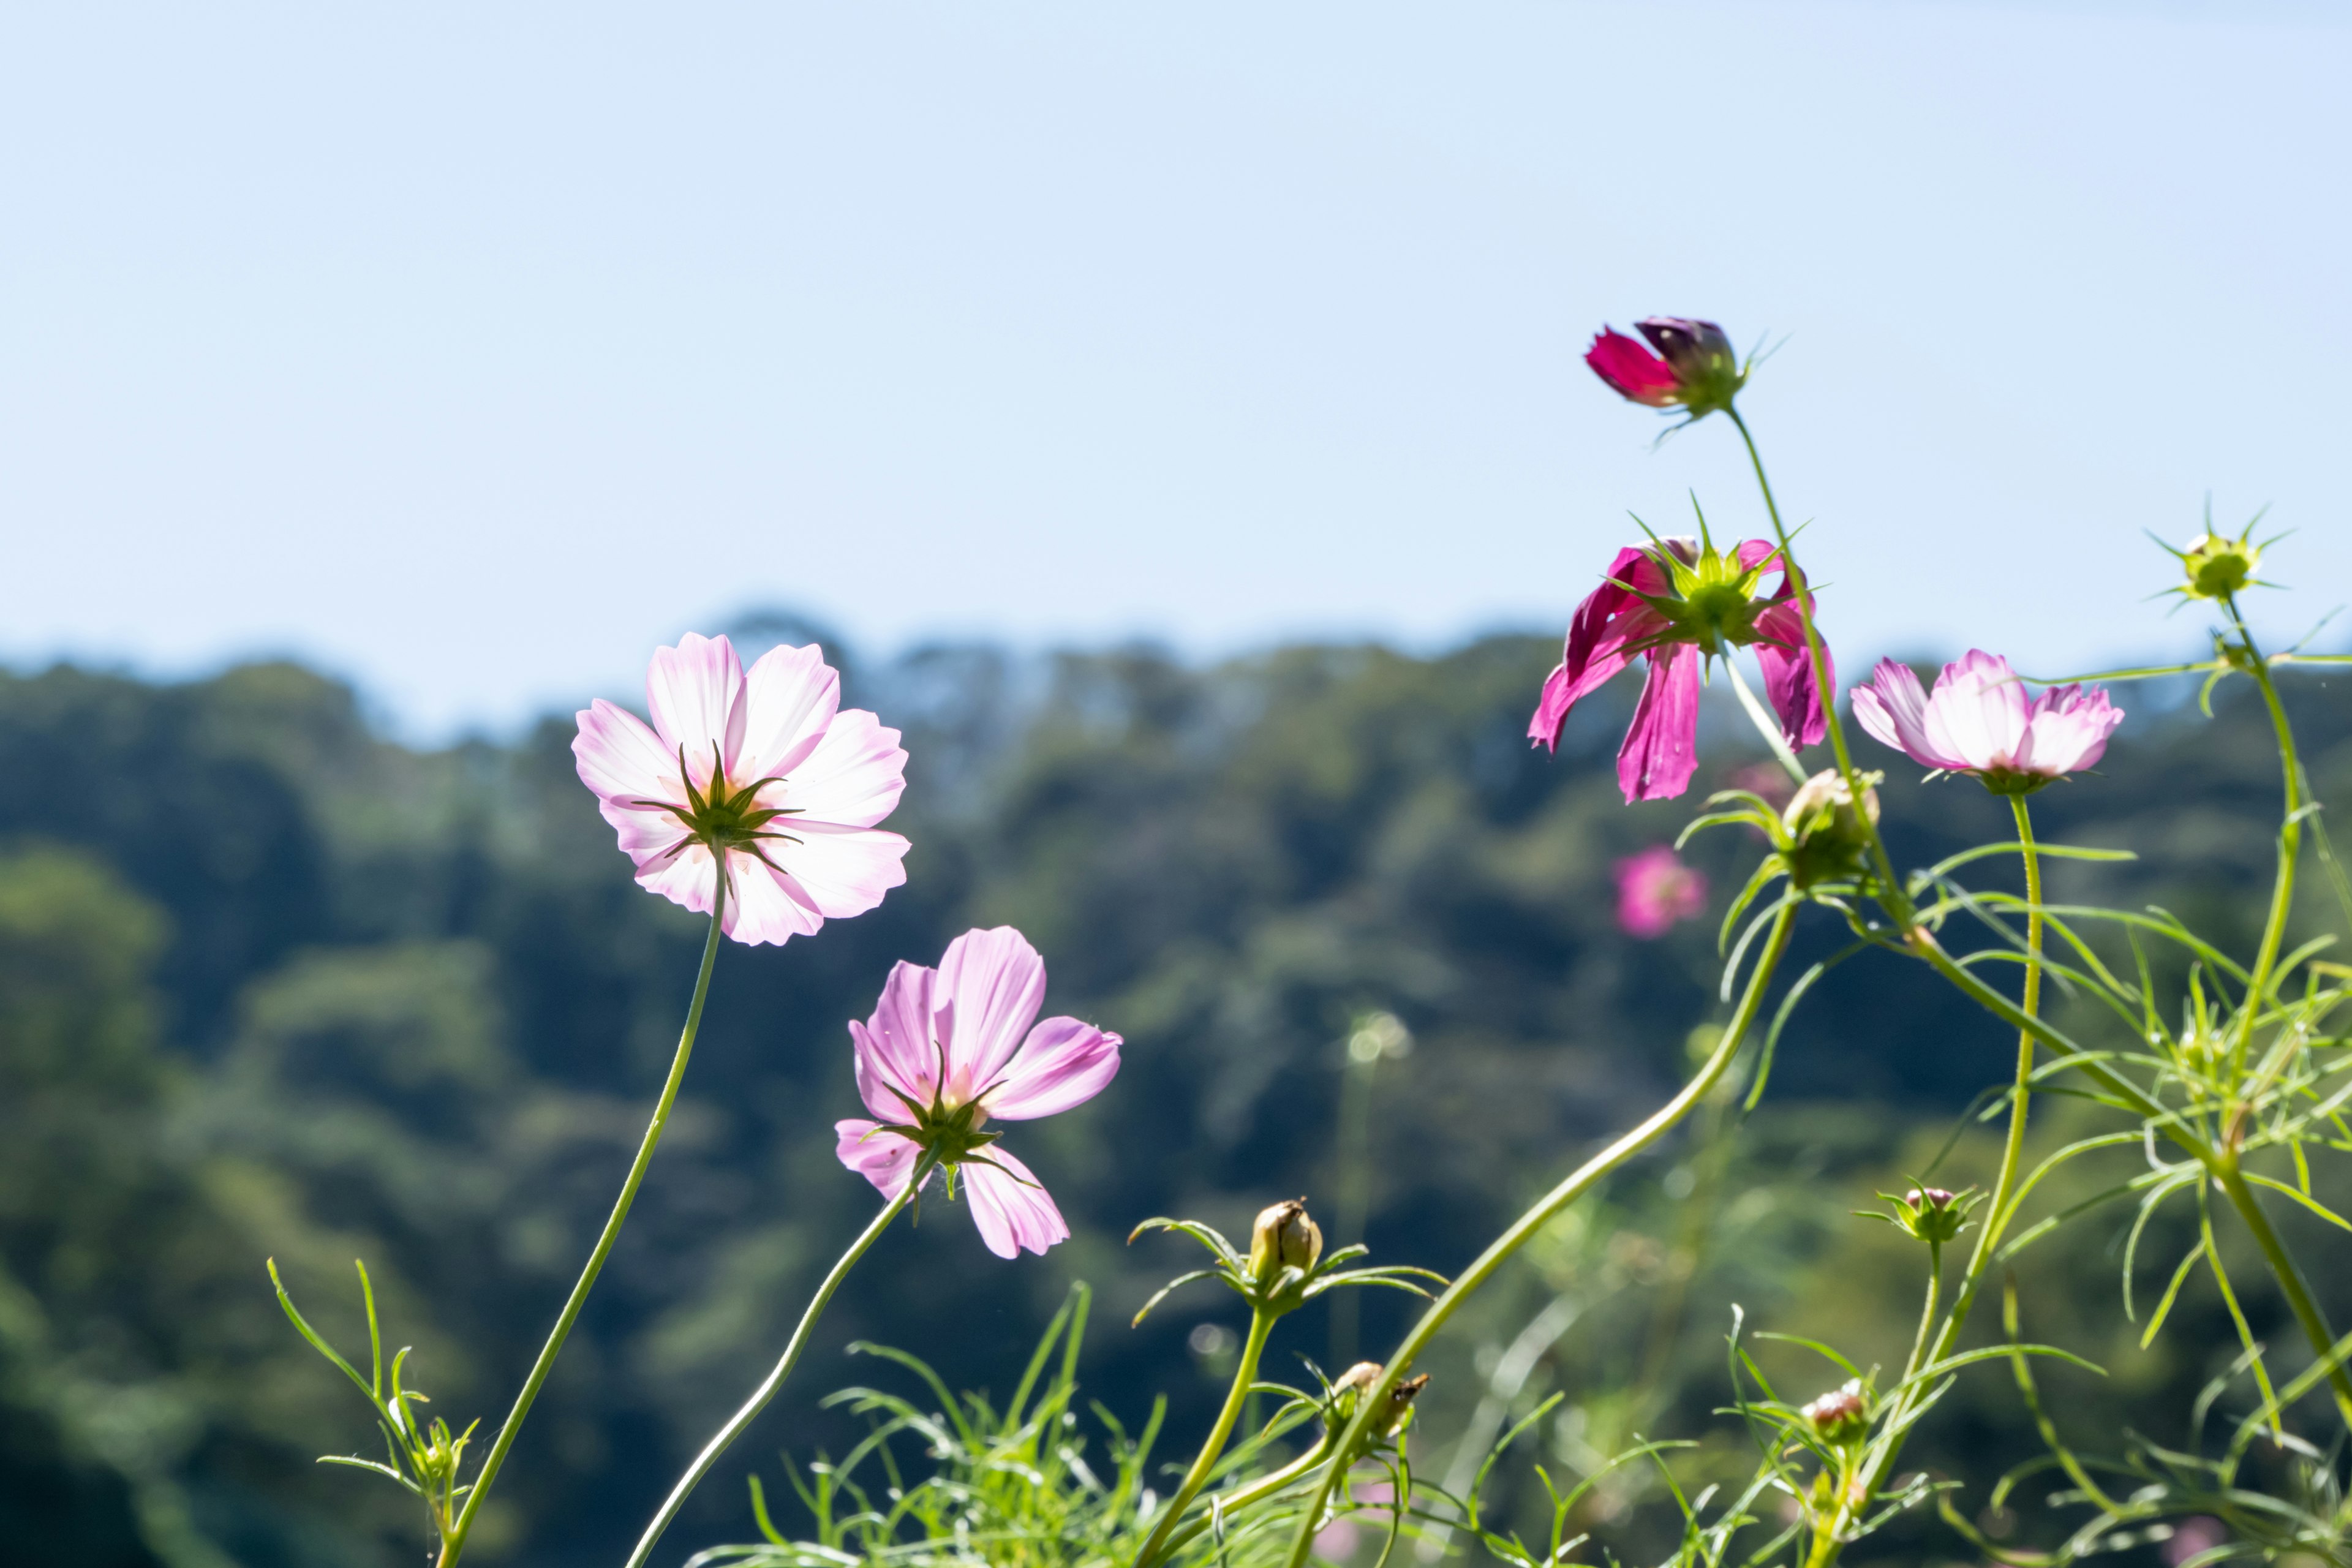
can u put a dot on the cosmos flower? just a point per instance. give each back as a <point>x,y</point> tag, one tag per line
<point>1680,601</point>
<point>1694,369</point>
<point>1655,892</point>
<point>950,1049</point>
<point>1979,721</point>
<point>758,768</point>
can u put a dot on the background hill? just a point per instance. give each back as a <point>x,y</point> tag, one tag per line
<point>273,985</point>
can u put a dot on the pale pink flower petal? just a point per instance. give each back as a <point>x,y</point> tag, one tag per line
<point>853,776</point>
<point>688,877</point>
<point>2066,730</point>
<point>1977,710</point>
<point>1010,1208</point>
<point>1661,749</point>
<point>692,692</point>
<point>1063,1063</point>
<point>996,983</point>
<point>898,1046</point>
<point>1893,707</point>
<point>765,904</point>
<point>789,697</point>
<point>620,760</point>
<point>842,871</point>
<point>884,1159</point>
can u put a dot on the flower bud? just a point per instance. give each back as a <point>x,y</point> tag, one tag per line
<point>1396,1406</point>
<point>1841,1416</point>
<point>1827,842</point>
<point>1284,1237</point>
<point>2219,567</point>
<point>1936,1215</point>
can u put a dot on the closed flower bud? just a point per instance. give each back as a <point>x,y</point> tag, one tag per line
<point>2219,567</point>
<point>1284,1237</point>
<point>1840,1417</point>
<point>1396,1406</point>
<point>1936,1215</point>
<point>1827,842</point>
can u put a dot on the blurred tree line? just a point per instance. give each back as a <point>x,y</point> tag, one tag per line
<point>272,986</point>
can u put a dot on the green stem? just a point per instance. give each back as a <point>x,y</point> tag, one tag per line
<point>743,1417</point>
<point>2290,845</point>
<point>2314,1323</point>
<point>1257,1491</point>
<point>1765,725</point>
<point>1897,904</point>
<point>1260,1324</point>
<point>1500,1249</point>
<point>454,1542</point>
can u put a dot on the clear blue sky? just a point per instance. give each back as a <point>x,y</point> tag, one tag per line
<point>470,350</point>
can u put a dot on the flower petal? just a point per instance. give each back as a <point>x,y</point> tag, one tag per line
<point>621,760</point>
<point>1661,749</point>
<point>895,1046</point>
<point>1632,370</point>
<point>1789,683</point>
<point>1012,1209</point>
<point>1063,1063</point>
<point>852,775</point>
<point>2066,729</point>
<point>687,878</point>
<point>789,698</point>
<point>884,1159</point>
<point>692,691</point>
<point>995,982</point>
<point>1977,713</point>
<point>1892,706</point>
<point>842,871</point>
<point>765,905</point>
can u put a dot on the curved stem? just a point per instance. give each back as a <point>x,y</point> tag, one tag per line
<point>752,1407</point>
<point>1265,1486</point>
<point>454,1542</point>
<point>1260,1324</point>
<point>1578,1182</point>
<point>2299,1299</point>
<point>2290,843</point>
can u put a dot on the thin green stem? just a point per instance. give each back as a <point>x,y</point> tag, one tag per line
<point>1257,1491</point>
<point>2308,1314</point>
<point>1892,894</point>
<point>2290,845</point>
<point>1527,1224</point>
<point>454,1542</point>
<point>1262,1320</point>
<point>752,1407</point>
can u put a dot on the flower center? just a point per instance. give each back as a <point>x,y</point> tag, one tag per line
<point>724,815</point>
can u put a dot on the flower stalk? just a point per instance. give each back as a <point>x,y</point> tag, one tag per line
<point>1262,1317</point>
<point>454,1542</point>
<point>751,1408</point>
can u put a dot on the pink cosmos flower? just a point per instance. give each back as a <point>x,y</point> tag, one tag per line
<point>1980,722</point>
<point>1655,892</point>
<point>758,767</point>
<point>1681,601</point>
<point>1694,368</point>
<point>948,1048</point>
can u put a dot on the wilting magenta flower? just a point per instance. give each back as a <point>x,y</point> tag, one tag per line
<point>1656,890</point>
<point>1695,367</point>
<point>948,1048</point>
<point>1680,601</point>
<point>759,767</point>
<point>1979,721</point>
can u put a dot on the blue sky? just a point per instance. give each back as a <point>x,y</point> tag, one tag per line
<point>471,350</point>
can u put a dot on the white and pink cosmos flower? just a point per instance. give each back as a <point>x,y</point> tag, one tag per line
<point>1979,721</point>
<point>952,1049</point>
<point>761,770</point>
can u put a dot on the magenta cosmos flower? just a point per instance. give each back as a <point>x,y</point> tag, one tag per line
<point>1979,721</point>
<point>1655,892</point>
<point>1681,602</point>
<point>949,1048</point>
<point>1694,369</point>
<point>759,768</point>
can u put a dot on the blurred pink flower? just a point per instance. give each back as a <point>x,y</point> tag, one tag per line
<point>951,1047</point>
<point>2193,1535</point>
<point>1694,368</point>
<point>1655,892</point>
<point>758,767</point>
<point>1681,601</point>
<point>1337,1542</point>
<point>1979,721</point>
